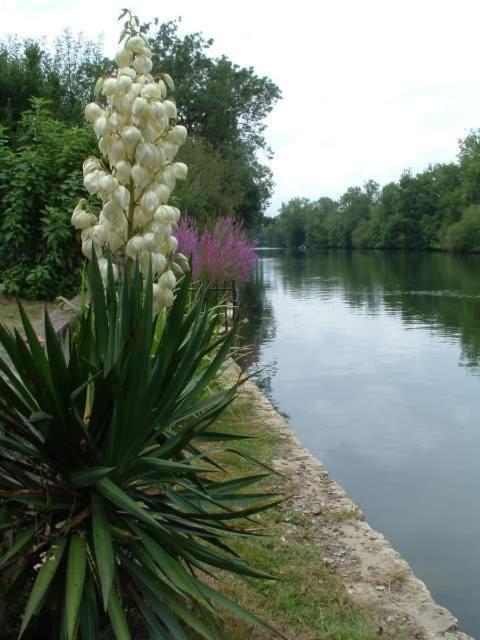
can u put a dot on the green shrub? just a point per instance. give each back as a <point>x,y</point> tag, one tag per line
<point>107,470</point>
<point>464,235</point>
<point>40,183</point>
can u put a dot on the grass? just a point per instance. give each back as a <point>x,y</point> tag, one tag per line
<point>309,601</point>
<point>9,311</point>
<point>342,515</point>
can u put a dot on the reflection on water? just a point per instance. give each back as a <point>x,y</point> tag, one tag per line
<point>375,356</point>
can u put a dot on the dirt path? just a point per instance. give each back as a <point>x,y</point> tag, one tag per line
<point>373,573</point>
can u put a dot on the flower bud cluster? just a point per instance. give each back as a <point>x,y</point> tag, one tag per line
<point>139,139</point>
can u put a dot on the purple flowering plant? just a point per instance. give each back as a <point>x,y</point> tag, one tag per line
<point>222,254</point>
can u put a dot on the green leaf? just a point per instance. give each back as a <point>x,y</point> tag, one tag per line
<point>103,545</point>
<point>169,565</point>
<point>43,580</point>
<point>39,416</point>
<point>33,342</point>
<point>88,476</point>
<point>77,563</point>
<point>117,617</point>
<point>243,513</point>
<point>168,466</point>
<point>22,540</point>
<point>159,329</point>
<point>151,586</point>
<point>157,631</point>
<point>215,559</point>
<point>122,535</point>
<point>217,436</point>
<point>254,461</point>
<point>238,611</point>
<point>113,493</point>
<point>89,627</point>
<point>220,488</point>
<point>99,304</point>
<point>58,366</point>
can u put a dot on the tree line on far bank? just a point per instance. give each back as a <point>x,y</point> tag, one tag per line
<point>44,140</point>
<point>438,208</point>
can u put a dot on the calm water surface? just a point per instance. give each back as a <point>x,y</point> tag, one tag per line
<point>375,357</point>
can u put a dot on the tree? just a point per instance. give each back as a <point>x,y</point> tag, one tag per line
<point>75,65</point>
<point>464,235</point>
<point>469,158</point>
<point>268,234</point>
<point>66,77</point>
<point>353,207</point>
<point>292,221</point>
<point>318,223</point>
<point>211,190</point>
<point>23,74</point>
<point>218,100</point>
<point>223,106</point>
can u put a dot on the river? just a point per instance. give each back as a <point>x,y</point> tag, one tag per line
<point>375,359</point>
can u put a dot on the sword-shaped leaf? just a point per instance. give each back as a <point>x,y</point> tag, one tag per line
<point>76,567</point>
<point>42,582</point>
<point>117,617</point>
<point>103,545</point>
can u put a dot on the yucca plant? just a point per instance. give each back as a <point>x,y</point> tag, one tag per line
<point>108,490</point>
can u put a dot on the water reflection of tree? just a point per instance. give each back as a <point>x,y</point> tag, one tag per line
<point>257,310</point>
<point>438,290</point>
<point>260,327</point>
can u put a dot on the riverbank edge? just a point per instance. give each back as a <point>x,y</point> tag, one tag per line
<point>375,577</point>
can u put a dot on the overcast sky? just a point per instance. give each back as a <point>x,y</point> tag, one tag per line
<point>370,87</point>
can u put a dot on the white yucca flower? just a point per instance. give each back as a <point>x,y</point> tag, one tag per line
<point>135,123</point>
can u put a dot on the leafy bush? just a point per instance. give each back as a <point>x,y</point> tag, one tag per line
<point>107,473</point>
<point>225,253</point>
<point>464,235</point>
<point>39,255</point>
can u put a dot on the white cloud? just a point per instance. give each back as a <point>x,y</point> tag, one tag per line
<point>369,88</point>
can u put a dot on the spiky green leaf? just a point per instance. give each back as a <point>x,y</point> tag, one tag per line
<point>76,567</point>
<point>103,545</point>
<point>44,578</point>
